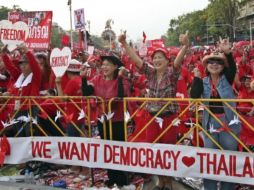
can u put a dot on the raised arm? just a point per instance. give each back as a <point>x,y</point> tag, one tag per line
<point>184,41</point>
<point>34,65</point>
<point>59,86</point>
<point>130,51</point>
<point>9,65</point>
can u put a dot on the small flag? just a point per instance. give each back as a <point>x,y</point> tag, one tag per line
<point>144,37</point>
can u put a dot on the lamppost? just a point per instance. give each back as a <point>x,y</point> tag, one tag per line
<point>250,32</point>
<point>69,4</point>
<point>88,23</point>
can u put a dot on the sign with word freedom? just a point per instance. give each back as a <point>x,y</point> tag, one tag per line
<point>39,23</point>
<point>13,34</point>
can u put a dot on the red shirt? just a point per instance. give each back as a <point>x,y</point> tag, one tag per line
<point>182,84</point>
<point>245,107</point>
<point>91,72</point>
<point>108,89</point>
<point>32,88</point>
<point>64,80</point>
<point>73,88</point>
<point>49,107</point>
<point>244,69</point>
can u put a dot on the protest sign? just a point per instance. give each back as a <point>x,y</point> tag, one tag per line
<point>13,34</point>
<point>79,19</point>
<point>158,159</point>
<point>39,23</point>
<point>59,60</point>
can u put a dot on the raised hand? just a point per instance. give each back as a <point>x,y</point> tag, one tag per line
<point>196,72</point>
<point>4,49</point>
<point>122,38</point>
<point>184,38</point>
<point>22,48</point>
<point>224,45</point>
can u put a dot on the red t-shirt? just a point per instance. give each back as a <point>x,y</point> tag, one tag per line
<point>182,83</point>
<point>244,69</point>
<point>108,89</point>
<point>30,89</point>
<point>73,88</point>
<point>49,107</point>
<point>245,107</point>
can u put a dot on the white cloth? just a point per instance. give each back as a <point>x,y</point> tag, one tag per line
<point>22,81</point>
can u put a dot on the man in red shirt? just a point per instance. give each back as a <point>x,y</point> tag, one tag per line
<point>72,88</point>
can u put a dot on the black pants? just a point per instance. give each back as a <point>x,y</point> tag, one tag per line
<point>49,128</point>
<point>115,176</point>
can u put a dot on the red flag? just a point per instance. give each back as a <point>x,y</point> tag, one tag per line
<point>5,146</point>
<point>65,40</point>
<point>68,118</point>
<point>2,157</point>
<point>144,37</point>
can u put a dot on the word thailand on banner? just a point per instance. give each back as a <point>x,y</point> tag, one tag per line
<point>39,23</point>
<point>159,159</point>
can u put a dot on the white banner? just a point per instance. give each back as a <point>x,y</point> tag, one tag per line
<point>160,159</point>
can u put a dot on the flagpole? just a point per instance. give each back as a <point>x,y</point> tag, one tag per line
<point>70,3</point>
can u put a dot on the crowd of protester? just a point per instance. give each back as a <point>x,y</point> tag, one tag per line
<point>218,72</point>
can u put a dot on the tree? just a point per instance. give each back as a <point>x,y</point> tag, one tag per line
<point>98,42</point>
<point>222,16</point>
<point>56,35</point>
<point>4,13</point>
<point>217,19</point>
<point>194,22</point>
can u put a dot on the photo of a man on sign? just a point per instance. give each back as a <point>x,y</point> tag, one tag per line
<point>79,19</point>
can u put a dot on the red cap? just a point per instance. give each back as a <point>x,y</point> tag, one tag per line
<point>163,50</point>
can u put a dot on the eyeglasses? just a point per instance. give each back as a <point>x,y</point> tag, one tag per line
<point>215,61</point>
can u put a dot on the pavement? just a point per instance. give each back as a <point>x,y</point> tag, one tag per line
<point>23,186</point>
<point>175,185</point>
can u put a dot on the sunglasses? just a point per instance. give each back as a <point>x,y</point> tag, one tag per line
<point>21,63</point>
<point>215,61</point>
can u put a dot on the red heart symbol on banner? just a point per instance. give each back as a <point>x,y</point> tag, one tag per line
<point>188,161</point>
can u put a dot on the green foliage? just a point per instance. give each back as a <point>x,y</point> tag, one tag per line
<point>195,22</point>
<point>56,34</point>
<point>98,42</point>
<point>218,19</point>
<point>4,13</point>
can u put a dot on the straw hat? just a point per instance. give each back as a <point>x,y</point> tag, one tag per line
<point>215,55</point>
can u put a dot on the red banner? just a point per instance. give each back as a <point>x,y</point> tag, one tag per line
<point>158,43</point>
<point>39,22</point>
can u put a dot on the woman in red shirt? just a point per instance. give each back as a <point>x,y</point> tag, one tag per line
<point>46,72</point>
<point>162,83</point>
<point>109,85</point>
<point>28,78</point>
